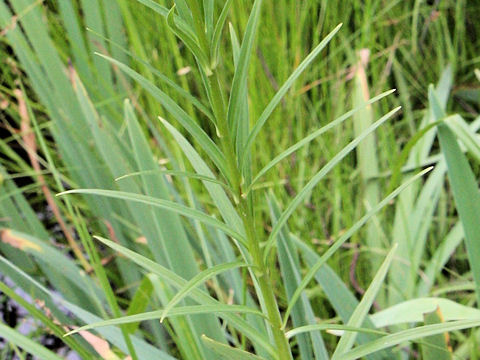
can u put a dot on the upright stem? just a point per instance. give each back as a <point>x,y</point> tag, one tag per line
<point>265,284</point>
<point>261,271</point>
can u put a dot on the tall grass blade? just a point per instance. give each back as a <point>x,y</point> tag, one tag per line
<point>286,86</point>
<point>358,316</point>
<point>319,176</point>
<point>229,352</point>
<point>338,243</point>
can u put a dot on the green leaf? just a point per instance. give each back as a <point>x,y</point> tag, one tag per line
<point>361,311</point>
<point>239,82</point>
<point>302,194</point>
<point>189,41</point>
<point>218,33</point>
<point>196,294</point>
<point>173,173</point>
<point>139,302</point>
<point>400,337</point>
<point>314,135</point>
<point>27,344</point>
<point>338,243</point>
<point>412,311</point>
<point>196,281</point>
<point>163,204</point>
<point>285,87</point>
<point>467,197</point>
<point>217,194</point>
<point>229,352</point>
<point>326,327</point>
<point>178,113</point>
<point>435,347</point>
<point>217,309</point>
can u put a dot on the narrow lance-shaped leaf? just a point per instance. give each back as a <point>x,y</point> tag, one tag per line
<point>218,309</point>
<point>164,204</point>
<point>196,281</point>
<point>173,173</point>
<point>302,194</point>
<point>286,86</point>
<point>178,113</point>
<point>229,352</point>
<point>326,327</point>
<point>338,243</point>
<point>465,191</point>
<point>218,33</point>
<point>314,135</point>
<point>239,82</point>
<point>361,311</point>
<point>196,294</point>
<point>400,337</point>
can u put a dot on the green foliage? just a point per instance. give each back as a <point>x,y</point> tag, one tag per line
<point>177,239</point>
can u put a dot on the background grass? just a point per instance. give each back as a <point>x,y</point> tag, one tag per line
<point>55,90</point>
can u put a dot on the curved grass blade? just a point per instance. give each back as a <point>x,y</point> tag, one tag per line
<point>337,244</point>
<point>314,135</point>
<point>229,352</point>
<point>412,311</point>
<point>174,173</point>
<point>361,311</point>
<point>218,309</point>
<point>400,337</point>
<point>285,87</point>
<point>177,112</point>
<point>217,33</point>
<point>464,187</point>
<point>217,194</point>
<point>239,82</point>
<point>319,176</point>
<point>190,41</point>
<point>325,327</point>
<point>26,343</point>
<point>166,80</point>
<point>196,281</point>
<point>163,204</point>
<point>196,294</point>
<point>466,195</point>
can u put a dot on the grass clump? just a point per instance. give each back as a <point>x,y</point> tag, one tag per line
<point>167,130</point>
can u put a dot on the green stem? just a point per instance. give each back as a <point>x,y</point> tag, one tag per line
<point>261,273</point>
<point>218,107</point>
<point>265,285</point>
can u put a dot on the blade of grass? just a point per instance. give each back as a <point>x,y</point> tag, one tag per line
<point>466,195</point>
<point>26,343</point>
<point>178,113</point>
<point>346,342</point>
<point>316,179</point>
<point>325,327</point>
<point>196,294</point>
<point>407,335</point>
<point>313,136</point>
<point>338,243</point>
<point>229,352</point>
<point>196,281</point>
<point>286,86</point>
<point>163,204</point>
<point>218,309</point>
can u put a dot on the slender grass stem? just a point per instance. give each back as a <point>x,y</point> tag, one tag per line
<point>265,284</point>
<point>247,212</point>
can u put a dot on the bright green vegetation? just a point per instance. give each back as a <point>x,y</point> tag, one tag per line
<point>201,179</point>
